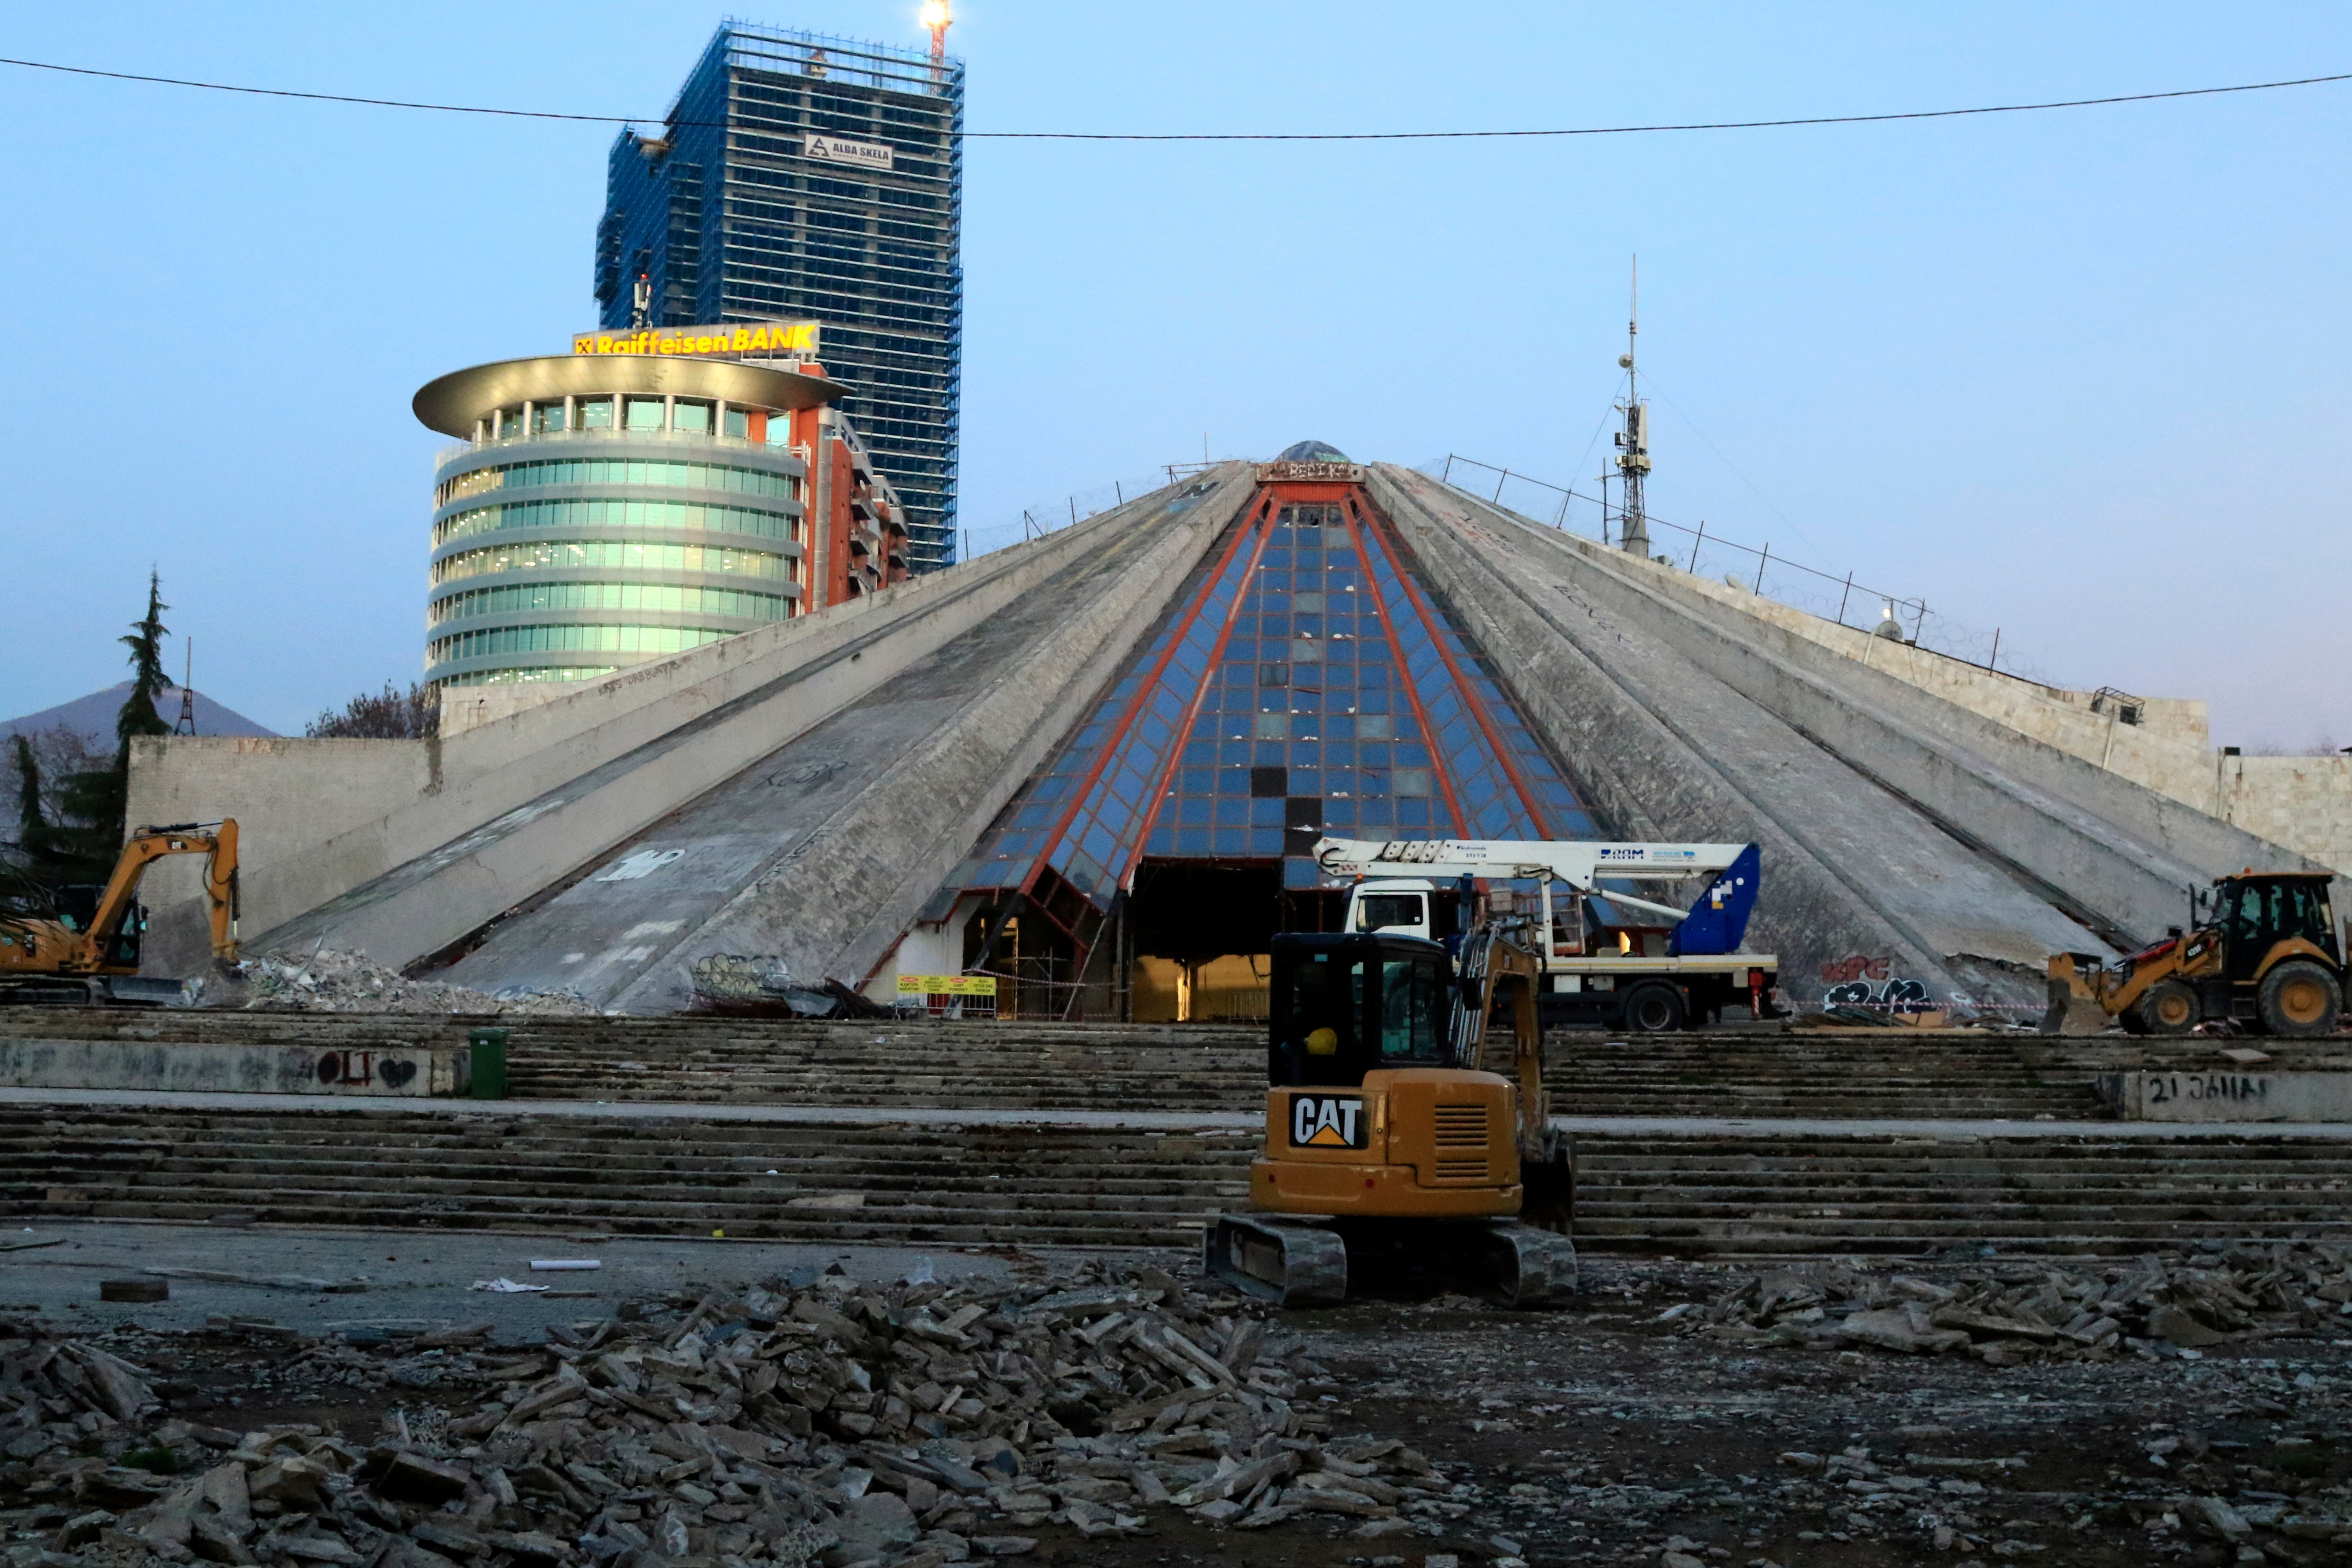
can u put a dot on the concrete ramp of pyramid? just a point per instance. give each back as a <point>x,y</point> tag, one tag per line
<point>1095,769</point>
<point>862,748</point>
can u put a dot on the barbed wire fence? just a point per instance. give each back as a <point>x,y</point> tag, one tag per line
<point>1841,596</point>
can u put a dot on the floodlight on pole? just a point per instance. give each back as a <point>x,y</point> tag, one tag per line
<point>936,16</point>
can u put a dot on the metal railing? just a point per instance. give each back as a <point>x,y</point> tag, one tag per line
<point>1756,569</point>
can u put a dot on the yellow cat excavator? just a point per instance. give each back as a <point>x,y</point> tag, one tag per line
<point>54,943</point>
<point>1390,1145</point>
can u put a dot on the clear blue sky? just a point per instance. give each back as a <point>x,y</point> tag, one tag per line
<point>2081,377</point>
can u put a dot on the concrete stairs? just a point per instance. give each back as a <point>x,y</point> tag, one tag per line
<point>1957,1074</point>
<point>950,1186</point>
<point>1025,1185</point>
<point>1867,1187</point>
<point>1880,1193</point>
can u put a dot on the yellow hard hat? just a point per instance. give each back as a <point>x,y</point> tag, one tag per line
<point>1323,1042</point>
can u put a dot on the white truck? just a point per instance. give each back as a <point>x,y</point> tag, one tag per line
<point>1609,958</point>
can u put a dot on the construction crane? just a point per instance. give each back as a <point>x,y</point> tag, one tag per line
<point>1391,1146</point>
<point>1606,958</point>
<point>52,945</point>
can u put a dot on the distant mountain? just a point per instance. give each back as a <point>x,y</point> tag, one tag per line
<point>93,716</point>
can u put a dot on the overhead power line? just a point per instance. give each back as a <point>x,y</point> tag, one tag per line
<point>1219,135</point>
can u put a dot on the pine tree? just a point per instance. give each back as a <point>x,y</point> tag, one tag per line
<point>148,680</point>
<point>86,847</point>
<point>32,825</point>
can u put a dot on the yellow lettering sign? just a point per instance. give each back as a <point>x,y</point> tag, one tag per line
<point>946,986</point>
<point>775,337</point>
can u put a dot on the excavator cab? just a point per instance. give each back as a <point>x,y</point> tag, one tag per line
<point>1341,1007</point>
<point>1387,1149</point>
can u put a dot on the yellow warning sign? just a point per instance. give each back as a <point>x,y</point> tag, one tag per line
<point>946,986</point>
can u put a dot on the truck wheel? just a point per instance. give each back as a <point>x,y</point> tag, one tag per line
<point>1653,1010</point>
<point>2171,1007</point>
<point>2299,997</point>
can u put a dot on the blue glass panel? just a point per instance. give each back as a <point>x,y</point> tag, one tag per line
<point>1235,751</point>
<point>1340,753</point>
<point>1373,754</point>
<point>1201,752</point>
<point>1194,781</point>
<point>1233,781</point>
<point>1192,809</point>
<point>1306,781</point>
<point>1412,812</point>
<point>1053,786</point>
<point>1306,754</point>
<point>1411,756</point>
<point>1233,811</point>
<point>1301,873</point>
<point>1162,842</point>
<point>1338,812</point>
<point>1266,811</point>
<point>1266,753</point>
<point>1340,781</point>
<point>1192,841</point>
<point>1378,812</point>
<point>1338,725</point>
<point>1372,781</point>
<point>1266,841</point>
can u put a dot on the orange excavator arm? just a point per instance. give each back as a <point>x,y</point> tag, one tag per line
<point>216,841</point>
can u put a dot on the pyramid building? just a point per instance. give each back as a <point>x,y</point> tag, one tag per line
<point>1094,765</point>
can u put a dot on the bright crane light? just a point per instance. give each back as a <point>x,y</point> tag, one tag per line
<point>935,16</point>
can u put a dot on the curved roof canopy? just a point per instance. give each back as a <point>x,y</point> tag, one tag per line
<point>451,404</point>
<point>1313,452</point>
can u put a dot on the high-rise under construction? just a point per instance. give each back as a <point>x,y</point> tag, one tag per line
<point>814,178</point>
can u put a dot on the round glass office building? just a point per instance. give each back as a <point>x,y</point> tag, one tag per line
<point>605,509</point>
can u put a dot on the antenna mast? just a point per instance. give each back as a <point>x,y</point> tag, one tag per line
<point>187,724</point>
<point>1634,441</point>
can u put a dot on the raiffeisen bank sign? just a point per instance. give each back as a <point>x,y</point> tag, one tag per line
<point>727,340</point>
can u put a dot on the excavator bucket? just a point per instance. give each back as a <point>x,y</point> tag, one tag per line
<point>2074,1007</point>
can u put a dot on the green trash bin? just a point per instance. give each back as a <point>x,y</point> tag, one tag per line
<point>488,1049</point>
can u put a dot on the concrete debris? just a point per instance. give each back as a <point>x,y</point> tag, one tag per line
<point>909,1426</point>
<point>2009,1315</point>
<point>327,981</point>
<point>733,977</point>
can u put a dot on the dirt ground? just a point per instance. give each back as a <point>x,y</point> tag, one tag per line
<point>1598,1432</point>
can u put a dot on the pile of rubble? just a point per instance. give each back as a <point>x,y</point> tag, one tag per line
<point>327,981</point>
<point>914,1425</point>
<point>2009,1315</point>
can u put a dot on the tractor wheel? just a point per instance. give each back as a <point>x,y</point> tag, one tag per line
<point>2299,997</point>
<point>1653,1010</point>
<point>2171,1007</point>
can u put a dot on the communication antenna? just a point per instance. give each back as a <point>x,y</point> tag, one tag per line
<point>187,722</point>
<point>1634,441</point>
<point>937,19</point>
<point>641,304</point>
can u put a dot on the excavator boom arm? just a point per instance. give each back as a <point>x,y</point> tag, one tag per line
<point>216,841</point>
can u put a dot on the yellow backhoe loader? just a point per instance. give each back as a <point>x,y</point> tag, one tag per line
<point>56,946</point>
<point>1390,1145</point>
<point>2267,952</point>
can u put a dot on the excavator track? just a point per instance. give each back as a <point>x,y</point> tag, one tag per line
<point>1289,1262</point>
<point>1304,1262</point>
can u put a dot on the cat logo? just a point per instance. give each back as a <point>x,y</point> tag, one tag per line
<point>1329,1121</point>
